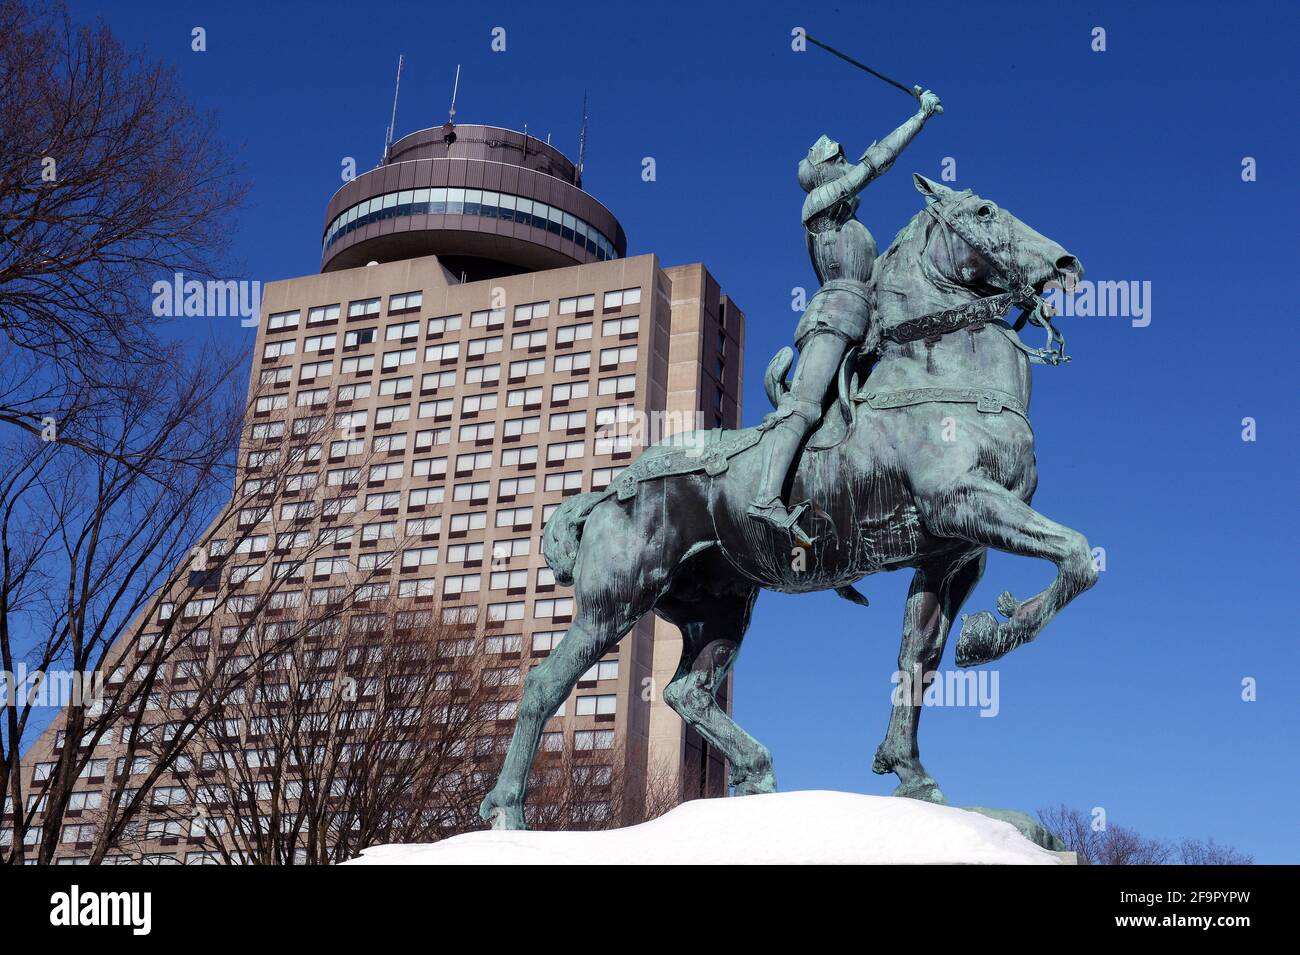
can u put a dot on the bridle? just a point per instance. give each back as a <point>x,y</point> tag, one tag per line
<point>988,309</point>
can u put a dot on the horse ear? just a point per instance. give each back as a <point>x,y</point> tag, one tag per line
<point>932,190</point>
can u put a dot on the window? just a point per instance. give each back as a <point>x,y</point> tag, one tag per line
<point>553,607</point>
<point>513,487</point>
<point>445,352</point>
<point>365,306</point>
<point>320,342</point>
<point>575,361</point>
<point>587,740</point>
<point>427,495</point>
<point>483,375</point>
<point>465,463</point>
<point>627,296</point>
<point>528,339</point>
<point>564,451</point>
<point>440,408</point>
<point>476,491</point>
<point>316,369</point>
<point>322,313</point>
<point>429,467</point>
<point>568,421</point>
<point>514,427</point>
<point>276,376</point>
<point>387,444</point>
<point>393,413</point>
<point>479,347</point>
<point>434,380</point>
<point>386,472</point>
<point>564,481</point>
<point>397,359</point>
<point>331,565</point>
<point>479,432</point>
<point>603,670</point>
<point>472,404</point>
<point>358,365</point>
<point>277,321</point>
<point>514,516</point>
<point>513,457</point>
<point>508,579</point>
<point>492,318</point>
<point>405,302</point>
<point>529,366</point>
<point>503,643</point>
<point>577,304</point>
<point>567,334</point>
<point>547,639</point>
<point>447,323</point>
<point>387,500</point>
<point>616,356</point>
<point>603,705</point>
<point>601,477</point>
<point>512,610</point>
<point>461,553</point>
<point>419,557</point>
<point>359,336</point>
<point>355,392</point>
<point>473,521</point>
<point>523,397</point>
<point>461,584</point>
<point>620,326</point>
<point>526,313</point>
<point>622,385</point>
<point>274,350</point>
<point>570,392</point>
<point>395,333</point>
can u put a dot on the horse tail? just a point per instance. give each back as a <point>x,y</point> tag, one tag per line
<point>774,378</point>
<point>563,533</point>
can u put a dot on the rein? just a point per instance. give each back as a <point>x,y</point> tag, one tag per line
<point>989,309</point>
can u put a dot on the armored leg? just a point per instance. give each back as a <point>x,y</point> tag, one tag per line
<point>799,412</point>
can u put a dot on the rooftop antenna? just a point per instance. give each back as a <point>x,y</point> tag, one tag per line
<point>388,137</point>
<point>525,140</point>
<point>582,140</point>
<point>448,131</point>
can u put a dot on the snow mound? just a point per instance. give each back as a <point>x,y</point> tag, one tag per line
<point>816,827</point>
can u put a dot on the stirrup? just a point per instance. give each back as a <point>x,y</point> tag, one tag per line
<point>775,514</point>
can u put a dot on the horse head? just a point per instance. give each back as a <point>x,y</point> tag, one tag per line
<point>961,247</point>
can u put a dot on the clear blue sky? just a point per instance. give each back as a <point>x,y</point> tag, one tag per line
<point>1130,158</point>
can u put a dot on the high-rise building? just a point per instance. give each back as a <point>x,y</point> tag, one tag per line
<point>481,348</point>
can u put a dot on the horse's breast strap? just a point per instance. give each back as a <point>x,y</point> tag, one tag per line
<point>985,400</point>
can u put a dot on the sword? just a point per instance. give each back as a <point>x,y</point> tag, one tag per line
<point>913,91</point>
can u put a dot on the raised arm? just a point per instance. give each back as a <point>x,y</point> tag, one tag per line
<point>878,158</point>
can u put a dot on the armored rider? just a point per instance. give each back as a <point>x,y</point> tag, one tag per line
<point>843,253</point>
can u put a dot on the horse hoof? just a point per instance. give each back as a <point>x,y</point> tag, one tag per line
<point>756,785</point>
<point>924,789</point>
<point>978,642</point>
<point>501,817</point>
<point>1007,604</point>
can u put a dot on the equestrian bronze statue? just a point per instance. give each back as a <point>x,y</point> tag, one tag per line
<point>919,454</point>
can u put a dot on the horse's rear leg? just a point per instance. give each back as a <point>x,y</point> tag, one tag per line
<point>712,629</point>
<point>986,513</point>
<point>938,590</point>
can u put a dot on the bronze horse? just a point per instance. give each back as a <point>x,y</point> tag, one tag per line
<point>927,465</point>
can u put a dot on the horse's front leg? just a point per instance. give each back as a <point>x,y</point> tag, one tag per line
<point>938,590</point>
<point>983,512</point>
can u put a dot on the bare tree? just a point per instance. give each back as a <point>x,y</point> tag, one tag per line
<point>128,568</point>
<point>1119,845</point>
<point>110,180</point>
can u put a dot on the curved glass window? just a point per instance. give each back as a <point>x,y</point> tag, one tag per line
<point>471,202</point>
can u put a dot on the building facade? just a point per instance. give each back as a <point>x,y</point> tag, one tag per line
<point>476,348</point>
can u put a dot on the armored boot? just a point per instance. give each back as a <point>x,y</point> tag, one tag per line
<point>782,444</point>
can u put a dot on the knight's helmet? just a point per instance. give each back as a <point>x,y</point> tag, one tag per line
<point>813,169</point>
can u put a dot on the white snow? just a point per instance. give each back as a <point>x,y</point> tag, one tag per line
<point>816,827</point>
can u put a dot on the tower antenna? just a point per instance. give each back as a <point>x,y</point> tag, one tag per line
<point>455,88</point>
<point>449,128</point>
<point>397,88</point>
<point>582,140</point>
